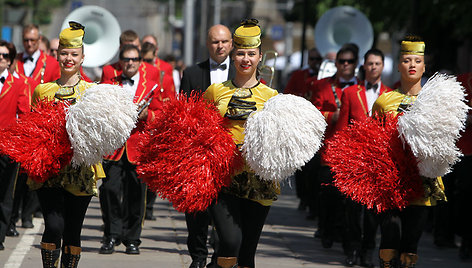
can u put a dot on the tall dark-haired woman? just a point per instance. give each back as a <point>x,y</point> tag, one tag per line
<point>401,230</point>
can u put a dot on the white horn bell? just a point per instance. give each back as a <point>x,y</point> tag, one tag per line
<point>102,34</point>
<point>341,25</point>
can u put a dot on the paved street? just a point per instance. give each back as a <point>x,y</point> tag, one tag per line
<point>287,242</point>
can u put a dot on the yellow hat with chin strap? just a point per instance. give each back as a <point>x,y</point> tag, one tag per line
<point>73,36</point>
<point>247,35</point>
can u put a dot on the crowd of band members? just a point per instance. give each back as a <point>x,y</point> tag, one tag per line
<point>124,200</point>
<point>342,98</point>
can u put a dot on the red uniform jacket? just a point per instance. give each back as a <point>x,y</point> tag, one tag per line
<point>465,141</point>
<point>354,104</point>
<point>324,99</point>
<point>112,71</point>
<point>297,84</point>
<point>164,66</point>
<point>13,100</point>
<point>45,62</point>
<point>158,96</point>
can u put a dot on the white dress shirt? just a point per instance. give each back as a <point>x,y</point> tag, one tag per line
<point>218,75</point>
<point>353,80</point>
<point>131,88</point>
<point>4,74</point>
<point>372,95</point>
<point>29,66</point>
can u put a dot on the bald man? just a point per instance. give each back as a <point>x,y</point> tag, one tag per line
<point>217,68</point>
<point>198,78</point>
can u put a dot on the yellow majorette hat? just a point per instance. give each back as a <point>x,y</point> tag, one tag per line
<point>248,35</point>
<point>412,48</point>
<point>73,36</point>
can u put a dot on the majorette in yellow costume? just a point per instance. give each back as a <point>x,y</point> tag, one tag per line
<point>78,182</point>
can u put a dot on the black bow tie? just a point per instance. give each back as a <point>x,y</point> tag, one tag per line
<point>346,84</point>
<point>372,86</point>
<point>124,79</point>
<point>215,66</point>
<point>2,79</point>
<point>29,58</point>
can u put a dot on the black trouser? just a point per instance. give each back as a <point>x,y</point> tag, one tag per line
<point>8,174</point>
<point>239,223</point>
<point>307,184</point>
<point>150,200</point>
<point>24,198</point>
<point>122,201</point>
<point>369,226</point>
<point>63,214</point>
<point>331,215</point>
<point>352,231</point>
<point>463,171</point>
<point>401,230</point>
<point>197,227</point>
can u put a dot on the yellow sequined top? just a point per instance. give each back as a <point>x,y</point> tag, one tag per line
<point>236,104</point>
<point>397,102</point>
<point>78,181</point>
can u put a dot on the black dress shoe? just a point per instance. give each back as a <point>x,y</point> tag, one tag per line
<point>11,231</point>
<point>366,258</point>
<point>198,264</point>
<point>132,249</point>
<point>2,247</point>
<point>108,246</point>
<point>351,259</point>
<point>327,242</point>
<point>27,224</point>
<point>150,217</point>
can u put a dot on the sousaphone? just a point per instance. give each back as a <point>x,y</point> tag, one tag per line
<point>338,26</point>
<point>102,34</point>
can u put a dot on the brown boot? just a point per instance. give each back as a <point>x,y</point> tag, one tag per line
<point>70,257</point>
<point>50,255</point>
<point>388,258</point>
<point>408,260</point>
<point>227,262</point>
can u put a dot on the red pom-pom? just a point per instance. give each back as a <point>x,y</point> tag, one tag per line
<point>186,154</point>
<point>39,141</point>
<point>372,165</point>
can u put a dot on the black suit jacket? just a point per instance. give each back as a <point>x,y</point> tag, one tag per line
<point>197,77</point>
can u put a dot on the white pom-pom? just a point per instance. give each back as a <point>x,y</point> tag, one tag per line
<point>100,122</point>
<point>283,136</point>
<point>432,124</point>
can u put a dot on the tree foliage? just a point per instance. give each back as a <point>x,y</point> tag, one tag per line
<point>443,24</point>
<point>41,8</point>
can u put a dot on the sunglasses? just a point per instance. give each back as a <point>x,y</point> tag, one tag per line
<point>349,61</point>
<point>315,58</point>
<point>148,60</point>
<point>5,55</point>
<point>130,59</point>
<point>30,40</point>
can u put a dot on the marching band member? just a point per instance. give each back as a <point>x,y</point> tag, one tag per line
<point>64,199</point>
<point>240,211</point>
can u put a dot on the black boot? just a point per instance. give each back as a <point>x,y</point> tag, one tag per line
<point>70,257</point>
<point>50,255</point>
